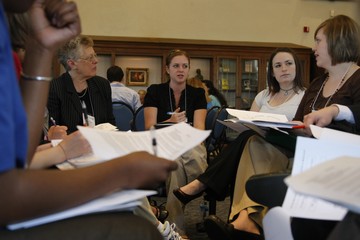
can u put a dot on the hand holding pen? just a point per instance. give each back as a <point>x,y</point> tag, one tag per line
<point>300,129</point>
<point>177,116</point>
<point>56,131</point>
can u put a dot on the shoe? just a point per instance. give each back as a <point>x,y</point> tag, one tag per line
<point>218,229</point>
<point>185,198</point>
<point>167,230</point>
<point>161,213</point>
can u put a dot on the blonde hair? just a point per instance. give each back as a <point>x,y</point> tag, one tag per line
<point>195,82</point>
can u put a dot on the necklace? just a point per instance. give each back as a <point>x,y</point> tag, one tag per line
<point>288,97</point>
<point>312,105</point>
<point>82,95</point>
<point>170,99</point>
<point>286,91</point>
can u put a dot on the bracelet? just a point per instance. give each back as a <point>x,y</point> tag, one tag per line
<point>62,148</point>
<point>35,78</point>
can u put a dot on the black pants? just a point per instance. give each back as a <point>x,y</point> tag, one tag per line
<point>221,172</point>
<point>102,226</point>
<point>348,228</point>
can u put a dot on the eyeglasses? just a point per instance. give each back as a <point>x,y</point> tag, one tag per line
<point>91,59</point>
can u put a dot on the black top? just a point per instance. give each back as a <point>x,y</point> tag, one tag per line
<point>158,95</point>
<point>348,95</point>
<point>356,112</point>
<point>65,107</point>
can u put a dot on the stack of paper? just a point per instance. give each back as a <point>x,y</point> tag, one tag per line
<point>124,200</point>
<point>335,180</point>
<point>326,168</point>
<point>171,142</point>
<point>260,119</point>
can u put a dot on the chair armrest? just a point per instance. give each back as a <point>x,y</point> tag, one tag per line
<point>267,189</point>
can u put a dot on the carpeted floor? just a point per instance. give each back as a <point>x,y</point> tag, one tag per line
<point>194,215</point>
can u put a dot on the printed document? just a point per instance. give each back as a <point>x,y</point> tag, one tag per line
<point>260,118</point>
<point>312,152</point>
<point>123,200</point>
<point>171,142</point>
<point>336,180</point>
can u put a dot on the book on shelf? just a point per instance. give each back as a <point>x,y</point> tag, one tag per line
<point>224,84</point>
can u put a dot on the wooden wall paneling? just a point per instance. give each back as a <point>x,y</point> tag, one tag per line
<point>205,49</point>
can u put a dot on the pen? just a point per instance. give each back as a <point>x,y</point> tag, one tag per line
<point>170,113</point>
<point>53,121</point>
<point>84,114</point>
<point>153,140</point>
<point>298,126</point>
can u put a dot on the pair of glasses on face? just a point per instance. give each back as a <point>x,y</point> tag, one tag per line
<point>91,59</point>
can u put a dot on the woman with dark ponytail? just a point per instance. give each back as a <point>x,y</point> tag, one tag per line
<point>214,93</point>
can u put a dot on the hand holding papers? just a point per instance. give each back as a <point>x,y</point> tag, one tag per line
<point>265,125</point>
<point>171,142</point>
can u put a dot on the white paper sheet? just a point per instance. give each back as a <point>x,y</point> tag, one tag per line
<point>172,142</point>
<point>334,135</point>
<point>335,180</point>
<point>260,118</point>
<point>276,224</point>
<point>309,153</point>
<point>251,116</point>
<point>315,173</point>
<point>123,200</point>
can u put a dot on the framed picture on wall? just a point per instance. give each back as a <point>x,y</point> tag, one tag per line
<point>137,76</point>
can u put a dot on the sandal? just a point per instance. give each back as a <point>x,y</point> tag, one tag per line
<point>160,212</point>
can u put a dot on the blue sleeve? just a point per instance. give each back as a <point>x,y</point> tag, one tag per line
<point>13,126</point>
<point>215,101</point>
